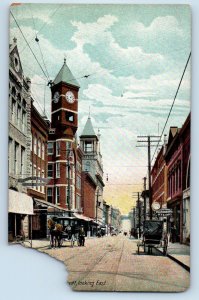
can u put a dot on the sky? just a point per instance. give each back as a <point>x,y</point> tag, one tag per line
<point>135,56</point>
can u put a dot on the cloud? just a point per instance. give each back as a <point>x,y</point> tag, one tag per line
<point>93,33</point>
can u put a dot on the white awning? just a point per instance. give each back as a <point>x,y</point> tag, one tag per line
<point>20,203</point>
<point>82,217</point>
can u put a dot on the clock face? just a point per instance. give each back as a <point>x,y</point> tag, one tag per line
<point>56,97</point>
<point>70,97</point>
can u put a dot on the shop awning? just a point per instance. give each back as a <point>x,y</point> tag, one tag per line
<point>20,203</point>
<point>82,217</point>
<point>50,206</point>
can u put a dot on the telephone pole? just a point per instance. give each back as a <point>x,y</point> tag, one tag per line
<point>137,196</point>
<point>148,141</point>
<point>144,198</point>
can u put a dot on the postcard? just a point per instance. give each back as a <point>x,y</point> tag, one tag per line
<point>99,142</point>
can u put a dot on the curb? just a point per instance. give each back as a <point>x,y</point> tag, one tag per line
<point>187,268</point>
<point>179,262</point>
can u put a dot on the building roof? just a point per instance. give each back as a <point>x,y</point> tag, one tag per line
<point>88,129</point>
<point>66,76</point>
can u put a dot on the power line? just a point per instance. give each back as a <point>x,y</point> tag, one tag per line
<point>28,45</point>
<point>173,103</point>
<point>50,16</point>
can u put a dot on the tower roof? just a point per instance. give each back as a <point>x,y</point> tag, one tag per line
<point>66,76</point>
<point>88,129</point>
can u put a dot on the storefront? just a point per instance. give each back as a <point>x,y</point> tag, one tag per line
<point>20,211</point>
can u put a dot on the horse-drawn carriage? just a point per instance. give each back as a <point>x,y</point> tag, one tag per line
<point>154,236</point>
<point>60,231</point>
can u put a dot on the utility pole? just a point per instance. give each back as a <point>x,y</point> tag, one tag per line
<point>144,198</point>
<point>147,139</point>
<point>136,195</point>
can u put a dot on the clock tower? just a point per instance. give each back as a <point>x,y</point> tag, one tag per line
<point>62,159</point>
<point>64,106</point>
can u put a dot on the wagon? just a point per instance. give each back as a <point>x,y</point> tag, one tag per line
<point>154,236</point>
<point>67,234</point>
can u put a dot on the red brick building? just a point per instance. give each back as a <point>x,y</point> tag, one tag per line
<point>158,182</point>
<point>88,195</point>
<point>38,167</point>
<point>177,159</point>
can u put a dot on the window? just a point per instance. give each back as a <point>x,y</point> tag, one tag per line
<point>88,166</point>
<point>70,170</point>
<point>43,151</point>
<point>88,147</point>
<point>10,155</point>
<point>50,170</point>
<point>58,148</point>
<point>42,187</point>
<point>23,121</point>
<point>39,147</point>
<point>38,180</point>
<point>68,145</point>
<point>18,115</point>
<point>50,148</point>
<point>50,194</point>
<point>69,116</point>
<point>22,160</point>
<point>78,182</point>
<point>13,107</point>
<point>57,170</point>
<point>16,156</point>
<point>35,145</point>
<point>78,202</point>
<point>57,199</point>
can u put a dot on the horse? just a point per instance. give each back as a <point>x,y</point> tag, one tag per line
<point>55,233</point>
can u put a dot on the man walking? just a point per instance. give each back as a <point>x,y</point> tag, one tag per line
<point>81,236</point>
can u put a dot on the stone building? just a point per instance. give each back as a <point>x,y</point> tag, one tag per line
<point>92,165</point>
<point>20,204</point>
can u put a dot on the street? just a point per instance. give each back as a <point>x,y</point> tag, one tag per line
<point>112,264</point>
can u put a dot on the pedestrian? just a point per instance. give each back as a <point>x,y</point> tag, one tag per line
<point>81,236</point>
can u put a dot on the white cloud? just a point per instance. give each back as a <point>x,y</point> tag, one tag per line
<point>160,26</point>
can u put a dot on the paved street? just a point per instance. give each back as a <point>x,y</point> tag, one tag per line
<point>111,264</point>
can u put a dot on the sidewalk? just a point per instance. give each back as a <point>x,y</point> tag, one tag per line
<point>180,253</point>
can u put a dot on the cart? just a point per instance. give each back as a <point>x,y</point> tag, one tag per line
<point>67,234</point>
<point>154,236</point>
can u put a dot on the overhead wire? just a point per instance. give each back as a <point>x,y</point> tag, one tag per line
<point>28,45</point>
<point>182,76</point>
<point>41,28</point>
